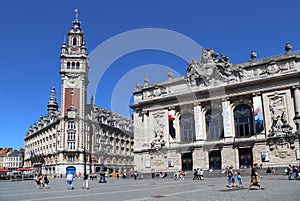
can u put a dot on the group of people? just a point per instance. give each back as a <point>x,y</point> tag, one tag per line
<point>178,175</point>
<point>293,172</point>
<point>270,170</point>
<point>42,181</point>
<point>231,175</point>
<point>70,178</point>
<point>198,174</point>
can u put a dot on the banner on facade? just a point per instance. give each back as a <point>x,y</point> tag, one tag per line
<point>258,114</point>
<point>171,118</point>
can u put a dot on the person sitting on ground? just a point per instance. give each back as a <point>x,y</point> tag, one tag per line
<point>268,170</point>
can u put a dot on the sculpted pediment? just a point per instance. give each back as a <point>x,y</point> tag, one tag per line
<point>211,69</point>
<point>155,91</point>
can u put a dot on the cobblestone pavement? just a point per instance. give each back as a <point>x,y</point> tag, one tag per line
<point>277,187</point>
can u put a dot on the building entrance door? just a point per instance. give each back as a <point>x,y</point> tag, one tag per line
<point>187,161</point>
<point>71,169</point>
<point>245,157</point>
<point>215,160</point>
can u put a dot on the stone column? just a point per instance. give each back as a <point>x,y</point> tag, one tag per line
<point>198,122</point>
<point>145,130</point>
<point>297,99</point>
<point>227,122</point>
<point>228,156</point>
<point>200,158</point>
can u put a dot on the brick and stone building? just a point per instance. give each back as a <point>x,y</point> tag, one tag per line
<point>220,114</point>
<point>13,159</point>
<point>79,136</point>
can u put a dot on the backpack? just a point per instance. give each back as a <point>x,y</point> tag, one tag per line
<point>229,173</point>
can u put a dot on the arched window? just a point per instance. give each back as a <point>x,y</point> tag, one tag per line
<point>243,121</point>
<point>74,41</point>
<point>77,65</point>
<point>71,125</point>
<point>73,65</point>
<point>68,65</point>
<point>71,136</point>
<point>214,124</point>
<point>187,127</point>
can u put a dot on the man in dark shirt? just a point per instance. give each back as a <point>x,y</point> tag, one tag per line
<point>255,177</point>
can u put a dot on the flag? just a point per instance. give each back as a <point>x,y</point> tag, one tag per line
<point>172,130</point>
<point>31,154</point>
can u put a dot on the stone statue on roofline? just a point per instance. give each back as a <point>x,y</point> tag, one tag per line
<point>210,69</point>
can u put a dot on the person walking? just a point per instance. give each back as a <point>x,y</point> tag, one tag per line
<point>195,174</point>
<point>181,175</point>
<point>239,180</point>
<point>201,174</point>
<point>289,172</point>
<point>255,177</point>
<point>85,183</point>
<point>230,176</point>
<point>46,181</point>
<point>38,180</point>
<point>70,181</point>
<point>294,172</point>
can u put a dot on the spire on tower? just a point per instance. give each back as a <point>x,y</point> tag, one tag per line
<point>76,13</point>
<point>76,23</point>
<point>52,104</point>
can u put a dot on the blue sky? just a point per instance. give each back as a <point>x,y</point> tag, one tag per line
<point>32,32</point>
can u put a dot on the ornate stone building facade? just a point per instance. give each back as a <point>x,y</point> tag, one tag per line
<point>220,114</point>
<point>78,137</point>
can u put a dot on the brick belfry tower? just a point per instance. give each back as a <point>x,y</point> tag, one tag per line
<point>74,77</point>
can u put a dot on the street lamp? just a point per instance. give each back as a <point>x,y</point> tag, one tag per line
<point>286,128</point>
<point>296,120</point>
<point>281,137</point>
<point>102,149</point>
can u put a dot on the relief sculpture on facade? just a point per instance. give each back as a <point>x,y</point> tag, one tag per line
<point>273,68</point>
<point>158,131</point>
<point>277,139</point>
<point>157,91</point>
<point>278,112</point>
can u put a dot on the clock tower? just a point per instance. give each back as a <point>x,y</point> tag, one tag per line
<point>74,77</point>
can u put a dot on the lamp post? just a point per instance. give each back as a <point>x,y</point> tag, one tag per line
<point>286,128</point>
<point>296,120</point>
<point>102,149</point>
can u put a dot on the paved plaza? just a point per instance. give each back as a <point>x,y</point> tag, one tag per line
<point>277,187</point>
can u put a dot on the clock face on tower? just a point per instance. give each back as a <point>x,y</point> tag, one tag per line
<point>71,82</point>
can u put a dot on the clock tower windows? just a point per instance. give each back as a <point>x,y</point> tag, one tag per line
<point>73,65</point>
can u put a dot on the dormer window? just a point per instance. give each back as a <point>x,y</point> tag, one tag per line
<point>74,41</point>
